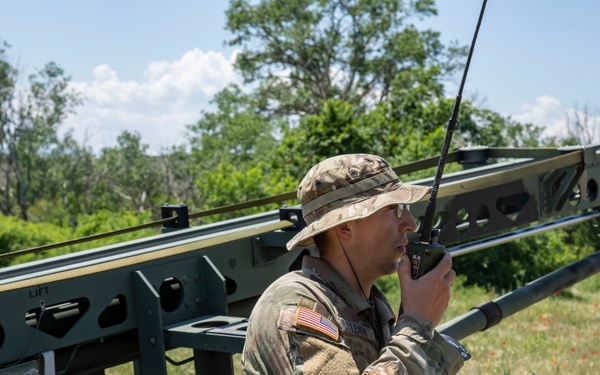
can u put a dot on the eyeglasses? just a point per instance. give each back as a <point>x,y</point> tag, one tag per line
<point>401,209</point>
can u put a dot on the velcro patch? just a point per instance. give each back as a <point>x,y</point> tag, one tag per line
<point>312,319</point>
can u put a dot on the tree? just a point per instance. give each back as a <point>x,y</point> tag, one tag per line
<point>336,130</point>
<point>335,76</point>
<point>130,178</point>
<point>582,129</point>
<point>29,121</point>
<point>236,133</point>
<point>303,53</point>
<point>179,176</point>
<point>230,183</point>
<point>71,186</point>
<point>314,70</point>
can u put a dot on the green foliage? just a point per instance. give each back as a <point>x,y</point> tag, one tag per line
<point>336,130</point>
<point>479,127</point>
<point>511,265</point>
<point>236,133</point>
<point>71,186</point>
<point>130,174</point>
<point>17,234</point>
<point>107,221</point>
<point>232,155</point>
<point>180,174</point>
<point>390,286</point>
<point>229,184</point>
<point>333,132</point>
<point>29,120</point>
<point>343,50</point>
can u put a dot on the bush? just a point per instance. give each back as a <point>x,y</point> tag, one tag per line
<point>16,234</point>
<point>509,266</point>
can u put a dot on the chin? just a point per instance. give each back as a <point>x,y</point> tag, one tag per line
<point>391,268</point>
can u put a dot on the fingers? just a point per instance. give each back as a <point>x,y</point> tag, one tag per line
<point>442,275</point>
<point>442,270</point>
<point>444,266</point>
<point>429,295</point>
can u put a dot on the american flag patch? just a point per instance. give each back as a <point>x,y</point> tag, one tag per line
<point>311,319</point>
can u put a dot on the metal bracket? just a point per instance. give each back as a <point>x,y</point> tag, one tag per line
<point>267,247</point>
<point>209,332</point>
<point>293,214</point>
<point>181,222</point>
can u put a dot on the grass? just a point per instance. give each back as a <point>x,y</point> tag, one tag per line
<point>559,335</point>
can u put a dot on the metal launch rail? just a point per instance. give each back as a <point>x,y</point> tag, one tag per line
<point>194,287</point>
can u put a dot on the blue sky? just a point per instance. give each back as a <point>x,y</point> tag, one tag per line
<point>152,66</point>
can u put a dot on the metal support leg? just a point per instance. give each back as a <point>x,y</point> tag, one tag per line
<point>150,328</point>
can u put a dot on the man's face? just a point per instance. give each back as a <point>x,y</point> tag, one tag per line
<point>382,238</point>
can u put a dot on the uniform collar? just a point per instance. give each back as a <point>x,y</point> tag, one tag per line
<point>327,275</point>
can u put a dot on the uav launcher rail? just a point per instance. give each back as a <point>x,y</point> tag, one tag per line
<point>195,287</point>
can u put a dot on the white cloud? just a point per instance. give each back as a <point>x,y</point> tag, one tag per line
<point>547,112</point>
<point>170,96</point>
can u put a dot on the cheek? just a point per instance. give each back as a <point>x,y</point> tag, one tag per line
<point>369,241</point>
<point>381,234</point>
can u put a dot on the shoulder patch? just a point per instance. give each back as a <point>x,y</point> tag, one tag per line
<point>312,319</point>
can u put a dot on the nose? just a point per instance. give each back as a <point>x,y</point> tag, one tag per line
<point>407,223</point>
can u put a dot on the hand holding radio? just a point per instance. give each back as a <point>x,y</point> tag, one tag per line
<point>429,295</point>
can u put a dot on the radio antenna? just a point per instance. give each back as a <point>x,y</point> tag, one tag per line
<point>427,252</point>
<point>431,204</point>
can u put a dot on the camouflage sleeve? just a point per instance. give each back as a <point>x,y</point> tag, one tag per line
<point>416,348</point>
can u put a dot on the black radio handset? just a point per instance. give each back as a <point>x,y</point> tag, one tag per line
<point>426,253</point>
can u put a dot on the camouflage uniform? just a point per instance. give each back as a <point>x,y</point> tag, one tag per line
<point>349,336</point>
<point>312,321</point>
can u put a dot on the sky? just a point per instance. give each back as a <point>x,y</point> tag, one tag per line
<point>152,66</point>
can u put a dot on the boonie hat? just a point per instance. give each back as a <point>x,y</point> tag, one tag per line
<point>348,187</point>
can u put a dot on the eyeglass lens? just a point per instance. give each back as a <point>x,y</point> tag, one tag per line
<point>400,210</point>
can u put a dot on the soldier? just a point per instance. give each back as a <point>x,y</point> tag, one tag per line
<point>329,317</point>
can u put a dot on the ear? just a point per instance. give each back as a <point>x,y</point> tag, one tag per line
<point>343,231</point>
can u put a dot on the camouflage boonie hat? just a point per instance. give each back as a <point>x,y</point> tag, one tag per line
<point>348,187</point>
